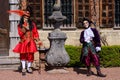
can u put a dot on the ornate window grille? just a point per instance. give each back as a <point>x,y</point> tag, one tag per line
<point>82,10</point>
<point>66,9</point>
<point>106,13</point>
<point>37,12</point>
<point>117,13</point>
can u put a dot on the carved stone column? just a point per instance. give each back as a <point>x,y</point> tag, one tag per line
<point>57,55</point>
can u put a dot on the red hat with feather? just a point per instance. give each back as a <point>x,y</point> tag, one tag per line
<point>19,12</point>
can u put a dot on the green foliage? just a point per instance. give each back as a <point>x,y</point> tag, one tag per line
<point>109,56</point>
<point>74,53</point>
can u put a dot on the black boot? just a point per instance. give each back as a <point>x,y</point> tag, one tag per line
<point>23,72</point>
<point>100,74</point>
<point>89,72</point>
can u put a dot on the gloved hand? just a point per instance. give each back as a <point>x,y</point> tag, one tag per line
<point>98,49</point>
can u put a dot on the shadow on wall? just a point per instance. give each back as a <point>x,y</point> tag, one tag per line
<point>104,39</point>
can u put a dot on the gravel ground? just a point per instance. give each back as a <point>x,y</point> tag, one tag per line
<point>73,74</point>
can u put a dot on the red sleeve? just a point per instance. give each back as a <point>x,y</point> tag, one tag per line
<point>21,34</point>
<point>35,32</point>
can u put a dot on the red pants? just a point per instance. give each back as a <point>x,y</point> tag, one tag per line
<point>27,57</point>
<point>92,58</point>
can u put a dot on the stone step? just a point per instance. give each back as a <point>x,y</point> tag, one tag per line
<point>8,66</point>
<point>14,63</point>
<point>9,62</point>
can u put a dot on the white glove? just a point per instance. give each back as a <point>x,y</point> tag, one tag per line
<point>98,49</point>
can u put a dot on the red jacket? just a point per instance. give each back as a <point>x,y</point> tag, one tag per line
<point>27,43</point>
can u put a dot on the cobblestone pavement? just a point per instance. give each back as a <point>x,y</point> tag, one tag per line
<point>73,74</point>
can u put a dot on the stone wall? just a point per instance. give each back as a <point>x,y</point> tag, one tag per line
<point>108,37</point>
<point>112,37</point>
<point>72,37</point>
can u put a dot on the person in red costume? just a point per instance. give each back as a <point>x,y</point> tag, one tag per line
<point>27,46</point>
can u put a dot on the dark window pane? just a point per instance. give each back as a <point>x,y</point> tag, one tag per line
<point>87,7</point>
<point>80,1</point>
<point>109,6</point>
<point>110,14</point>
<point>80,19</point>
<point>37,14</point>
<point>37,7</point>
<point>83,9</point>
<point>110,21</point>
<point>30,0</point>
<point>103,14</point>
<point>104,1</point>
<point>86,14</point>
<point>117,12</point>
<point>80,7</point>
<point>66,9</point>
<point>103,21</point>
<point>80,14</point>
<point>86,1</point>
<point>104,7</point>
<point>110,1</point>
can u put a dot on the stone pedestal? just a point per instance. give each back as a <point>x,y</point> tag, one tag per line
<point>57,55</point>
<point>61,70</point>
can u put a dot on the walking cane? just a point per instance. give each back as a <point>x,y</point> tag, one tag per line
<point>39,48</point>
<point>39,71</point>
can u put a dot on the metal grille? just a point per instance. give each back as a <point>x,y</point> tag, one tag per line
<point>83,11</point>
<point>37,13</point>
<point>66,9</point>
<point>117,13</point>
<point>107,14</point>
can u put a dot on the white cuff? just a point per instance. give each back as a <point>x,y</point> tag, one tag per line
<point>98,49</point>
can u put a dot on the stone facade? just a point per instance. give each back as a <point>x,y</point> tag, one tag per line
<point>109,36</point>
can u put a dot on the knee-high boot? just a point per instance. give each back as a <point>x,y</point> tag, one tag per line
<point>89,72</point>
<point>99,73</point>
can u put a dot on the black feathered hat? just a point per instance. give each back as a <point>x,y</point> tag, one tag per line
<point>86,19</point>
<point>90,22</point>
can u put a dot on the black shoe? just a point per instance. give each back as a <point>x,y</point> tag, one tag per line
<point>100,74</point>
<point>23,72</point>
<point>29,70</point>
<point>89,73</point>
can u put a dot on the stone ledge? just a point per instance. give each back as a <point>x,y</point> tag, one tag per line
<point>9,60</point>
<point>11,67</point>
